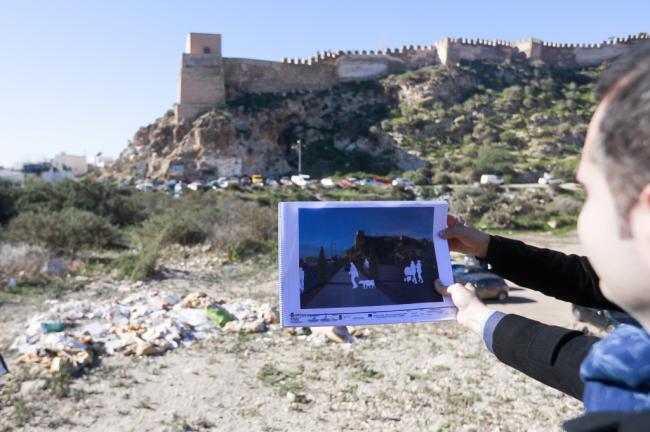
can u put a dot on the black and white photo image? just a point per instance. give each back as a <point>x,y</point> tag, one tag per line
<point>366,256</point>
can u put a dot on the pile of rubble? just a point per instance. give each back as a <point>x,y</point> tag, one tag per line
<point>70,334</point>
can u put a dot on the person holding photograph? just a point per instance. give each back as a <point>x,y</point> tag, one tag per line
<point>611,376</point>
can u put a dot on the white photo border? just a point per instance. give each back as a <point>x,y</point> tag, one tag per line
<point>293,315</point>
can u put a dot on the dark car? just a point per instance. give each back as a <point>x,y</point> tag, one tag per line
<point>488,285</point>
<point>460,270</point>
<point>602,318</point>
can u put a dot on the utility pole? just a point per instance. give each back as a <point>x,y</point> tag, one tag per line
<point>299,158</point>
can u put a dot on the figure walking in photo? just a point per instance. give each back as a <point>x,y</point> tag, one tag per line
<point>418,268</point>
<point>354,274</point>
<point>408,274</point>
<point>302,280</point>
<point>366,265</point>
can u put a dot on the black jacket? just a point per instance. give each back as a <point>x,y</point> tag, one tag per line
<point>551,354</point>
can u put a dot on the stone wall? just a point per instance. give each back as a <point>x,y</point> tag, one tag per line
<point>262,76</point>
<point>207,80</point>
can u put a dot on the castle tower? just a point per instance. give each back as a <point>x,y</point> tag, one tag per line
<point>201,85</point>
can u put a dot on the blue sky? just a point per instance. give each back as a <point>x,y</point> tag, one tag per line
<point>82,76</point>
<point>335,228</point>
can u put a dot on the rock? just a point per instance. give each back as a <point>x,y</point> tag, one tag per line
<point>55,266</point>
<point>75,265</point>
<point>147,349</point>
<point>257,326</point>
<point>339,334</point>
<point>28,387</point>
<point>59,364</point>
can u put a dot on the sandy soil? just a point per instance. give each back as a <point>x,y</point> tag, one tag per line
<point>400,377</point>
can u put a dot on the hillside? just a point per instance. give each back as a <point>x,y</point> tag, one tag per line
<point>514,118</point>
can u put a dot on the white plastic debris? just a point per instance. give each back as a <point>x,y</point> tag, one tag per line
<point>142,323</point>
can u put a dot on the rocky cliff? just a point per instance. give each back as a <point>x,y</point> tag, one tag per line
<point>447,118</point>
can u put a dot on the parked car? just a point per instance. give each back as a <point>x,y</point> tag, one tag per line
<point>343,183</point>
<point>460,270</point>
<point>491,179</point>
<point>301,180</point>
<point>257,180</point>
<point>244,181</point>
<point>602,318</point>
<point>488,285</point>
<point>145,187</point>
<point>285,181</point>
<point>549,180</point>
<point>196,186</point>
<point>271,181</point>
<point>327,182</point>
<point>399,181</point>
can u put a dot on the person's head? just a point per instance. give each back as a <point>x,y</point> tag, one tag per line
<point>614,225</point>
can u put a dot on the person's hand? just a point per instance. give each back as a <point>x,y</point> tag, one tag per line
<point>471,310</point>
<point>465,239</point>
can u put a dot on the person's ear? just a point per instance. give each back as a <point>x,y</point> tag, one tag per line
<point>640,224</point>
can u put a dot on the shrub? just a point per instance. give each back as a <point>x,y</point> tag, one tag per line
<point>244,229</point>
<point>21,261</point>
<point>493,160</point>
<point>186,225</point>
<point>8,194</point>
<point>118,207</point>
<point>142,265</point>
<point>67,231</point>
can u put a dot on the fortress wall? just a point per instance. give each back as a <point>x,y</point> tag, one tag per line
<point>471,49</point>
<point>207,79</point>
<point>558,54</point>
<point>597,54</point>
<point>262,76</point>
<point>365,67</point>
<point>201,85</point>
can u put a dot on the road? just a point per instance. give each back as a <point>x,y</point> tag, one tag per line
<point>390,289</point>
<point>532,304</point>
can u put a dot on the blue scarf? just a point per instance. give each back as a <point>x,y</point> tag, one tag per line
<point>616,371</point>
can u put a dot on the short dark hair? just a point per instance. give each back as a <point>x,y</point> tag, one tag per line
<point>625,146</point>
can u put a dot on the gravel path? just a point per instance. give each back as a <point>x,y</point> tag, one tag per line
<point>399,377</point>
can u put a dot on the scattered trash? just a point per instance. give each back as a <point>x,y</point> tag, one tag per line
<point>142,324</point>
<point>219,316</point>
<point>12,282</point>
<point>52,327</point>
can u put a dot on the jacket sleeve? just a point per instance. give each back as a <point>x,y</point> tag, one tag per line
<point>549,354</point>
<point>565,277</point>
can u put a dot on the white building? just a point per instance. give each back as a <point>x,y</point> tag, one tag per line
<point>12,175</point>
<point>65,162</point>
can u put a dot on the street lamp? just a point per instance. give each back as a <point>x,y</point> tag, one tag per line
<point>299,157</point>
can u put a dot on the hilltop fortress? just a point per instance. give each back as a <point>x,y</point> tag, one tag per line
<point>207,79</point>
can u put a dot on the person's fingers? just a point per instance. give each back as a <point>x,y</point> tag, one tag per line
<point>453,232</point>
<point>442,289</point>
<point>471,288</point>
<point>452,220</point>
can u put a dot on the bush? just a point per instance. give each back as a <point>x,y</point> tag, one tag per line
<point>118,207</point>
<point>142,265</point>
<point>8,193</point>
<point>244,229</point>
<point>21,261</point>
<point>187,225</point>
<point>67,231</point>
<point>493,160</point>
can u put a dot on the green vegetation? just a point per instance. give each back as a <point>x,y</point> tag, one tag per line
<point>511,118</point>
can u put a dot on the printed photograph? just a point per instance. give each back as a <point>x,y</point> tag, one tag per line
<point>366,256</point>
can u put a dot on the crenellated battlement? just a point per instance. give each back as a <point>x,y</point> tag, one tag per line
<point>208,80</point>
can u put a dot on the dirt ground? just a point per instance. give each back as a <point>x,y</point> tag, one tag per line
<point>398,377</point>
